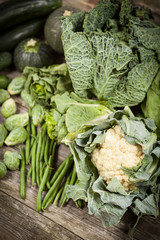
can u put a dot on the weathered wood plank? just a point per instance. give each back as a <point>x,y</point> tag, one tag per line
<point>75,220</point>
<point>24,223</point>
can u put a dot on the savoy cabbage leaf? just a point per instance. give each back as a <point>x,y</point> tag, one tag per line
<point>112,54</point>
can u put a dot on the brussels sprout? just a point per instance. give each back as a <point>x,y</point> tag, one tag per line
<point>8,108</point>
<point>37,114</point>
<point>16,120</point>
<point>4,81</point>
<point>4,95</point>
<point>3,134</point>
<point>3,170</point>
<point>27,98</point>
<point>16,85</point>
<point>16,136</point>
<point>12,160</point>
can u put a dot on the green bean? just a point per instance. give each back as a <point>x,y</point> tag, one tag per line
<point>64,196</point>
<point>40,175</point>
<point>22,174</point>
<point>41,188</point>
<point>42,149</point>
<point>79,202</point>
<point>51,197</point>
<point>33,131</point>
<point>33,162</point>
<point>38,152</point>
<point>74,175</point>
<point>29,172</point>
<point>76,203</point>
<point>28,142</point>
<point>46,153</point>
<point>58,170</point>
<point>42,172</point>
<point>51,164</point>
<point>51,146</point>
<point>58,194</point>
<point>69,161</point>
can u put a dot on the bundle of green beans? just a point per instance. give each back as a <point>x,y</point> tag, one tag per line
<point>40,154</point>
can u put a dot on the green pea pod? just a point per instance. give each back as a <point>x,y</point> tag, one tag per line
<point>4,81</point>
<point>8,108</point>
<point>16,136</point>
<point>37,114</point>
<point>4,95</point>
<point>3,170</point>
<point>12,160</point>
<point>27,98</point>
<point>16,120</point>
<point>16,85</point>
<point>3,134</point>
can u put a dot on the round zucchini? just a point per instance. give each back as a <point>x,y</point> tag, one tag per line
<point>33,53</point>
<point>52,28</point>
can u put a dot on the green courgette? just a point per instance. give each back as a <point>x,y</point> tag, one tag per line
<point>5,60</point>
<point>19,11</point>
<point>10,39</point>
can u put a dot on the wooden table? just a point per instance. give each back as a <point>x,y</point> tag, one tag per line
<point>20,220</point>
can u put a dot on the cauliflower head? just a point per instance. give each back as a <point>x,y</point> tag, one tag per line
<point>114,153</point>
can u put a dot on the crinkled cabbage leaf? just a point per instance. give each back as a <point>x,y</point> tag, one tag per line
<point>112,51</point>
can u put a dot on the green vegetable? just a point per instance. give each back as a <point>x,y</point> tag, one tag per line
<point>37,114</point>
<point>4,81</point>
<point>71,113</point>
<point>8,108</point>
<point>41,188</point>
<point>22,174</point>
<point>151,105</point>
<point>16,120</point>
<point>43,83</point>
<point>54,188</point>
<point>52,28</point>
<point>109,201</point>
<point>4,95</point>
<point>27,98</point>
<point>3,170</point>
<point>32,52</point>
<point>5,60</point>
<point>12,160</point>
<point>112,52</point>
<point>16,136</point>
<point>39,145</point>
<point>16,85</point>
<point>16,12</point>
<point>33,162</point>
<point>28,141</point>
<point>3,134</point>
<point>12,37</point>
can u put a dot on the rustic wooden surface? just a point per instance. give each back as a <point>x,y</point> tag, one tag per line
<point>20,220</point>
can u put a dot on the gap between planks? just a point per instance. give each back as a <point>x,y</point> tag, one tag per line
<point>75,220</point>
<point>24,223</point>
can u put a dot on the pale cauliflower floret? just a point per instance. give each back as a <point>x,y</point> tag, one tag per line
<point>114,153</point>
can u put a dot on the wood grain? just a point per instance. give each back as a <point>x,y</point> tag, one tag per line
<point>19,218</point>
<point>24,223</point>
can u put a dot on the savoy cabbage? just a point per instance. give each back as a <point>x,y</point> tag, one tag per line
<point>112,51</point>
